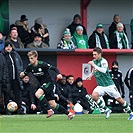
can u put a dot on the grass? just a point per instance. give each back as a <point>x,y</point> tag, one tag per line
<point>117,123</point>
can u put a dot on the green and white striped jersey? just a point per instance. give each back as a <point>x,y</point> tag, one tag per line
<point>103,79</point>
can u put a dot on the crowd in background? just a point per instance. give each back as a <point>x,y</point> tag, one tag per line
<point>74,36</point>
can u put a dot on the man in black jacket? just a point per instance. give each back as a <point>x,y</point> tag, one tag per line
<point>117,77</point>
<point>15,66</point>
<point>63,92</point>
<point>129,83</point>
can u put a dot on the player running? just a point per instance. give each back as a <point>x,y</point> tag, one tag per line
<point>105,83</point>
<point>45,93</point>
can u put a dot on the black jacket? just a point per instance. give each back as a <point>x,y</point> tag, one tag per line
<point>4,82</point>
<point>73,26</point>
<point>18,65</point>
<point>92,40</point>
<point>63,91</point>
<point>118,80</point>
<point>112,28</point>
<point>129,79</point>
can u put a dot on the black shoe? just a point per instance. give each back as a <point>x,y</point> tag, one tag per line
<point>20,111</point>
<point>8,112</point>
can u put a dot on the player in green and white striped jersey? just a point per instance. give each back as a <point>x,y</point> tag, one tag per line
<point>105,83</point>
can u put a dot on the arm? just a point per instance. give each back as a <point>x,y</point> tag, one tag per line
<point>102,69</point>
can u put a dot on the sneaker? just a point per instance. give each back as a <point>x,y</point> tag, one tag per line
<point>70,116</point>
<point>108,112</point>
<point>130,117</point>
<point>50,113</point>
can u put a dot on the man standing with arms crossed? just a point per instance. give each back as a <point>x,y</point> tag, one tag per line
<point>105,83</point>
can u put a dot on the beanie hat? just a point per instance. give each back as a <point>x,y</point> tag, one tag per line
<point>7,43</point>
<point>37,34</point>
<point>38,20</point>
<point>115,63</point>
<point>13,26</point>
<point>79,80</point>
<point>99,25</point>
<point>37,26</point>
<point>79,28</point>
<point>23,18</point>
<point>67,32</point>
<point>120,25</point>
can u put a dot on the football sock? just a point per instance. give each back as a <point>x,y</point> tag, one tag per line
<point>44,103</point>
<point>126,107</point>
<point>101,104</point>
<point>61,109</point>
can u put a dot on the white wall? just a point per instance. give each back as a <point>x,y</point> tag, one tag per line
<point>56,14</point>
<point>103,11</point>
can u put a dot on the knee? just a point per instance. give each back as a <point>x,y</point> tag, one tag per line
<point>38,93</point>
<point>94,96</point>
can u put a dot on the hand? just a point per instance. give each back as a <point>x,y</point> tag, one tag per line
<point>68,101</point>
<point>59,76</point>
<point>91,63</point>
<point>88,78</point>
<point>33,106</point>
<point>22,74</point>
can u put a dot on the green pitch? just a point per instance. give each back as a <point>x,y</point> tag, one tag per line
<point>117,123</point>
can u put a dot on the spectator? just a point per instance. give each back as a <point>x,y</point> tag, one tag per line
<point>129,83</point>
<point>99,38</point>
<point>131,28</point>
<point>37,43</point>
<point>23,31</point>
<point>66,42</point>
<point>112,27</point>
<point>76,22</point>
<point>82,92</point>
<point>80,40</point>
<point>119,39</point>
<point>15,66</point>
<point>28,97</point>
<point>117,77</point>
<point>1,41</point>
<point>4,88</point>
<point>41,28</point>
<point>63,92</point>
<point>14,40</point>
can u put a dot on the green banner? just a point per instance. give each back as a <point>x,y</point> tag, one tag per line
<point>4,17</point>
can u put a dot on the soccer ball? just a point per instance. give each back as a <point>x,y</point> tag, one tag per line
<point>12,106</point>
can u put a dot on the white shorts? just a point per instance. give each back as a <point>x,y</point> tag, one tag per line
<point>110,90</point>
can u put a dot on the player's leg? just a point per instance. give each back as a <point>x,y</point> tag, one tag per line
<point>99,91</point>
<point>61,109</point>
<point>113,92</point>
<point>126,107</point>
<point>43,102</point>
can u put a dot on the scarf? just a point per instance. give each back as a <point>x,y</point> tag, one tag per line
<point>98,43</point>
<point>122,41</point>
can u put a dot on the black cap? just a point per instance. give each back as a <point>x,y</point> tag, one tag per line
<point>37,34</point>
<point>7,44</point>
<point>23,18</point>
<point>37,26</point>
<point>115,63</point>
<point>79,80</point>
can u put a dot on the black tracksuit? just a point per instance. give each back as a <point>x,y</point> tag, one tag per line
<point>129,83</point>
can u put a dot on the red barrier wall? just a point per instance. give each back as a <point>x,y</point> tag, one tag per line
<point>71,63</point>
